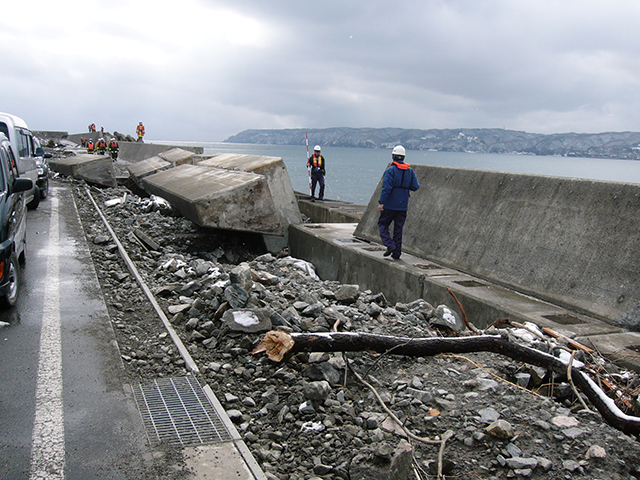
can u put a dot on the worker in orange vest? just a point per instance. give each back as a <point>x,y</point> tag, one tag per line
<point>101,146</point>
<point>113,148</point>
<point>140,131</point>
<point>90,146</point>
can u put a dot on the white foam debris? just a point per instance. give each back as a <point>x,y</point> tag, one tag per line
<point>246,319</point>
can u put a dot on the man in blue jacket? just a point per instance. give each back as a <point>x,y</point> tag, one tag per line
<point>399,179</point>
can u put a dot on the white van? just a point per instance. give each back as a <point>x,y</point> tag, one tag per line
<point>24,147</point>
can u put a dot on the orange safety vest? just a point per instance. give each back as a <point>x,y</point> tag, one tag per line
<point>140,130</point>
<point>317,161</point>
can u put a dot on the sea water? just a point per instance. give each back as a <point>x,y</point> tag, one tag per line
<point>353,173</point>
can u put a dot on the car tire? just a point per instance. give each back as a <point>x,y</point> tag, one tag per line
<point>13,272</point>
<point>44,192</point>
<point>33,204</point>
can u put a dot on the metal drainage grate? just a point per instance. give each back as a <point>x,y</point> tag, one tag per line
<point>177,411</point>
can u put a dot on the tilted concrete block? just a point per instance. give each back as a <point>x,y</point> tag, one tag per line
<point>275,171</point>
<point>177,156</point>
<point>218,198</point>
<point>147,167</point>
<point>94,169</point>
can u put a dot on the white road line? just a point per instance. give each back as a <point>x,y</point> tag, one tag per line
<point>47,449</point>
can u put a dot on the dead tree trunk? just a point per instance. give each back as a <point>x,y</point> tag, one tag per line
<point>277,344</point>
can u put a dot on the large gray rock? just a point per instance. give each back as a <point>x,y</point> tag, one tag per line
<point>384,464</point>
<point>247,320</point>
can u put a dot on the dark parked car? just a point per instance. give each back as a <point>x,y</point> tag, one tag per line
<point>13,219</point>
<point>43,170</point>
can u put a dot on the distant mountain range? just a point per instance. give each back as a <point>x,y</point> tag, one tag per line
<point>624,145</point>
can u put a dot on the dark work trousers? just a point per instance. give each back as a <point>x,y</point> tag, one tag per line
<point>398,218</point>
<point>317,178</point>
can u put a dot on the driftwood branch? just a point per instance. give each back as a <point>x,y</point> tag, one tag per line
<point>278,344</point>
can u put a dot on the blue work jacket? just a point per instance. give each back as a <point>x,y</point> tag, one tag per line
<point>396,185</point>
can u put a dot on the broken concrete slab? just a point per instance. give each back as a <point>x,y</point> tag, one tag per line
<point>275,171</point>
<point>139,170</point>
<point>93,169</point>
<point>177,156</point>
<point>161,161</point>
<point>215,199</point>
<point>218,198</point>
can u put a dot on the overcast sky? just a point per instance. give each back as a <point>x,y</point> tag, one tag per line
<point>203,70</point>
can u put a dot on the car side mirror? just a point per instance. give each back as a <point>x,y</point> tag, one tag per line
<point>22,185</point>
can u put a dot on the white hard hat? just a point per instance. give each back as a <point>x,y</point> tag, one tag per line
<point>317,148</point>
<point>398,150</point>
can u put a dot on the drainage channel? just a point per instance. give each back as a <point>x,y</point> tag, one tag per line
<point>177,411</point>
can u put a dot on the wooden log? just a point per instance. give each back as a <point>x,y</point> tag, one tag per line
<point>278,344</point>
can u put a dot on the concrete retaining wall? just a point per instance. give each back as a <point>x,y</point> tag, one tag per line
<point>329,211</point>
<point>573,242</point>
<point>133,151</point>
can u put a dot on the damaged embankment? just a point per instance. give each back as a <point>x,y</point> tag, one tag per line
<point>326,428</point>
<point>308,417</point>
<point>499,241</point>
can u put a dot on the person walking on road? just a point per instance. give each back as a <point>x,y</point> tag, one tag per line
<point>90,146</point>
<point>140,131</point>
<point>398,181</point>
<point>317,164</point>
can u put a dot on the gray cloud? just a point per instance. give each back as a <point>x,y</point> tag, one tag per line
<point>204,70</point>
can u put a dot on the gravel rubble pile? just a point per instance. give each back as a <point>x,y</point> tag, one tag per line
<point>221,292</point>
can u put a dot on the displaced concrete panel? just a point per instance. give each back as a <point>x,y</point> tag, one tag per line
<point>275,171</point>
<point>218,198</point>
<point>570,241</point>
<point>177,156</point>
<point>147,167</point>
<point>95,169</point>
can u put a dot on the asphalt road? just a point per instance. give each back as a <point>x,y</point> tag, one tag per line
<point>64,411</point>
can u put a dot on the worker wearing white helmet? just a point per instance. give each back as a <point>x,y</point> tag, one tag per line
<point>398,181</point>
<point>317,164</point>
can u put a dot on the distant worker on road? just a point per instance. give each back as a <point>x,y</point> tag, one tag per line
<point>90,146</point>
<point>317,164</point>
<point>140,131</point>
<point>101,146</point>
<point>114,148</point>
<point>398,181</point>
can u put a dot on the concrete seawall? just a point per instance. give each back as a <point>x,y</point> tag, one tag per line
<point>133,151</point>
<point>569,241</point>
